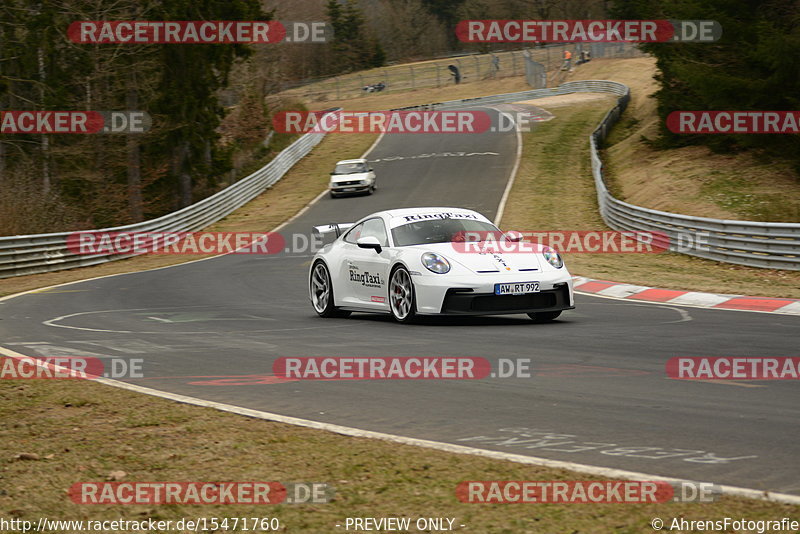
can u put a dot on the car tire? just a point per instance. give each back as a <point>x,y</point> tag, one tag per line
<point>334,195</point>
<point>544,317</point>
<point>402,296</point>
<point>321,287</point>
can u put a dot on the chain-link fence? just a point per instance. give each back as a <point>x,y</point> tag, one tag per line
<point>541,65</point>
<point>535,72</point>
<point>436,73</point>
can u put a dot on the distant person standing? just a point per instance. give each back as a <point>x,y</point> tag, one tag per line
<point>496,63</point>
<point>455,73</point>
<point>567,60</point>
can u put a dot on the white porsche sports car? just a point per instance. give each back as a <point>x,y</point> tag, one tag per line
<point>435,261</point>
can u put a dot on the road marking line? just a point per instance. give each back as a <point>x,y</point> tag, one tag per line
<point>730,383</point>
<point>501,208</point>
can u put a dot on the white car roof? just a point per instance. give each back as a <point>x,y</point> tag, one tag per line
<point>398,217</point>
<point>345,161</point>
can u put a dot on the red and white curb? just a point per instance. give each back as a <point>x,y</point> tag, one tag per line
<point>605,288</point>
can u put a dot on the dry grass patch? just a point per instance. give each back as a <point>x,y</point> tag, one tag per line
<point>101,429</point>
<point>689,180</point>
<point>554,190</point>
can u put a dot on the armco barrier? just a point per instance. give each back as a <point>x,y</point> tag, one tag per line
<point>30,254</point>
<point>755,244</point>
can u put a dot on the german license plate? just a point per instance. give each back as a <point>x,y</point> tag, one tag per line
<point>516,288</point>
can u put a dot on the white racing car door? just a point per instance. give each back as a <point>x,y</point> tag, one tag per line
<point>365,268</point>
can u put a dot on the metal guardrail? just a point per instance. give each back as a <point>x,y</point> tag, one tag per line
<point>32,254</point>
<point>755,244</point>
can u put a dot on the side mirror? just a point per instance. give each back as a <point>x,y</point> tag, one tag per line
<point>369,242</point>
<point>514,236</point>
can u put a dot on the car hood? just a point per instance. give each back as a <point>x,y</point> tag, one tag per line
<point>349,177</point>
<point>507,262</point>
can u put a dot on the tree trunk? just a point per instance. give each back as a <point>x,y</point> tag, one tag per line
<point>45,144</point>
<point>134,157</point>
<point>184,178</point>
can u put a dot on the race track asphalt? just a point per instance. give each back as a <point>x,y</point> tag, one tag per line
<point>598,393</point>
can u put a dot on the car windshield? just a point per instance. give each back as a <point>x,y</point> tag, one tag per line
<point>439,231</point>
<point>350,168</point>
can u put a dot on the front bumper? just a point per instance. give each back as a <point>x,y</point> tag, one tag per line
<point>343,189</point>
<point>465,302</point>
<point>468,295</point>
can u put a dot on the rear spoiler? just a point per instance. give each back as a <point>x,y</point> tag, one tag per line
<point>336,228</point>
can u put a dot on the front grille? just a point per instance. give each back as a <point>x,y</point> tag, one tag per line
<point>486,303</point>
<point>460,301</point>
<point>351,182</point>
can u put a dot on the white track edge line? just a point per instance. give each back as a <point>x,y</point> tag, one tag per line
<point>427,444</point>
<point>501,208</point>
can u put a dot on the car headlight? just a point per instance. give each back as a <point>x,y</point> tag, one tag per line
<point>553,257</point>
<point>435,263</point>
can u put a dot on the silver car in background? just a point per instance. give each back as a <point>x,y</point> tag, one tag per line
<point>352,176</point>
